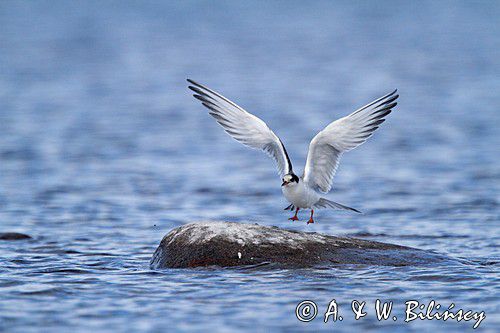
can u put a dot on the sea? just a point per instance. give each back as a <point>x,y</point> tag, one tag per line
<point>103,151</point>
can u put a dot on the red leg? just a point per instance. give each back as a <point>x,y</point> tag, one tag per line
<point>295,218</point>
<point>311,219</point>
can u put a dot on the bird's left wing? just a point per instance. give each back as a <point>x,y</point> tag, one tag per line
<point>243,126</point>
<point>340,136</point>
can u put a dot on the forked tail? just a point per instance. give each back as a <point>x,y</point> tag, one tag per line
<point>325,203</point>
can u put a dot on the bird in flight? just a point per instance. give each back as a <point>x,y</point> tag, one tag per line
<point>325,148</point>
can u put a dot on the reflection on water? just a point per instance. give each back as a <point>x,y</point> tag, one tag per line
<point>103,151</point>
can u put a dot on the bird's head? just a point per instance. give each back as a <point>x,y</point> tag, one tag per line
<point>290,179</point>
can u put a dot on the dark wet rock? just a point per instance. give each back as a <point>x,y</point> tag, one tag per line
<point>234,244</point>
<point>13,236</point>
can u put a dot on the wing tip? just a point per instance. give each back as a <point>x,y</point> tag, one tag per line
<point>355,210</point>
<point>391,95</point>
<point>196,84</point>
<point>395,94</point>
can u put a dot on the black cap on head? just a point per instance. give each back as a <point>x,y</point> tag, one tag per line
<point>291,177</point>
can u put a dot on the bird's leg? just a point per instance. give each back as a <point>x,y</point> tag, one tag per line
<point>311,218</point>
<point>295,218</point>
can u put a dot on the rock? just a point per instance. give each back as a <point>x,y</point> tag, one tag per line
<point>235,244</point>
<point>13,236</point>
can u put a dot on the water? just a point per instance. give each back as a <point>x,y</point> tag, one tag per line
<point>103,151</point>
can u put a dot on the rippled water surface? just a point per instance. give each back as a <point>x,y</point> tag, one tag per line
<point>103,151</point>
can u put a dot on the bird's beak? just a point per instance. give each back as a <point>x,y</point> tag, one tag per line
<point>284,183</point>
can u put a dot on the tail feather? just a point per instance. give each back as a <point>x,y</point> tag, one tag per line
<point>325,203</point>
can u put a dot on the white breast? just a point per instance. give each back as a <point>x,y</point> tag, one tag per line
<point>300,195</point>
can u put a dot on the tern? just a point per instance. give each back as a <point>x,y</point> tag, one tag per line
<point>325,149</point>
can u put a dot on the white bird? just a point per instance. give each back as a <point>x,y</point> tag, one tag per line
<point>325,148</point>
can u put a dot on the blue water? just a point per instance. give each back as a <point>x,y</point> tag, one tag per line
<point>103,151</point>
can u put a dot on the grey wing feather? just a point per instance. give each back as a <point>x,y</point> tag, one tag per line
<point>340,136</point>
<point>243,126</point>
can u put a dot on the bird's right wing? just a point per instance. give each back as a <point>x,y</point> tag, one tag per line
<point>243,126</point>
<point>340,136</point>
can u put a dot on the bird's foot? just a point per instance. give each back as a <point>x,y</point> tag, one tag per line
<point>294,218</point>
<point>311,218</point>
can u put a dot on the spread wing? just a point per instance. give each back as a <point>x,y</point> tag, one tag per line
<point>340,136</point>
<point>243,126</point>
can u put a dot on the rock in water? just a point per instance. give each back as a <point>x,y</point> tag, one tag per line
<point>13,236</point>
<point>235,244</point>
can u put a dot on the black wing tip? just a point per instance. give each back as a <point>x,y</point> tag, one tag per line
<point>200,98</point>
<point>392,96</point>
<point>387,102</point>
<point>199,91</point>
<point>355,210</point>
<point>195,84</point>
<point>392,93</point>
